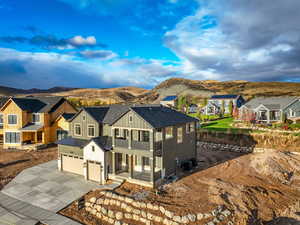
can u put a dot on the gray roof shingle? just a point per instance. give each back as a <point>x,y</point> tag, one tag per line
<point>272,103</point>
<point>104,142</point>
<point>76,142</point>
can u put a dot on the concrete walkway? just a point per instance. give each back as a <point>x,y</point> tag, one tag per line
<point>41,191</point>
<point>16,212</point>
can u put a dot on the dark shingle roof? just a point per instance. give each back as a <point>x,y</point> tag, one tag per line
<point>160,116</point>
<point>73,142</point>
<point>272,103</point>
<point>224,96</point>
<point>31,127</point>
<point>39,104</point>
<point>170,98</point>
<point>98,113</point>
<point>114,113</point>
<point>104,142</point>
<point>68,116</point>
<point>3,100</point>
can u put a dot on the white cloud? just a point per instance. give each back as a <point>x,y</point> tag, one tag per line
<point>79,40</point>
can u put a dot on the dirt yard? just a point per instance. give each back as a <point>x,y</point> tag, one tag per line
<point>13,162</point>
<point>261,188</point>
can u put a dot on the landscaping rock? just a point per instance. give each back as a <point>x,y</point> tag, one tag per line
<point>111,221</point>
<point>128,208</point>
<point>149,206</point>
<point>157,219</point>
<point>119,215</point>
<point>177,219</point>
<point>191,217</point>
<point>99,215</point>
<point>143,214</point>
<point>128,216</point>
<point>136,217</point>
<point>199,216</point>
<point>149,216</point>
<point>162,209</point>
<point>99,201</point>
<point>104,211</point>
<point>93,199</point>
<point>94,211</point>
<point>169,214</point>
<point>184,219</point>
<point>111,214</point>
<point>136,211</point>
<point>143,205</point>
<point>117,223</point>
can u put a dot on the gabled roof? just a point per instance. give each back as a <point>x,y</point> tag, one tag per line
<point>75,142</point>
<point>38,104</point>
<point>160,116</point>
<point>224,96</point>
<point>170,98</point>
<point>104,142</point>
<point>271,103</point>
<point>114,113</point>
<point>67,116</point>
<point>98,113</point>
<point>31,127</point>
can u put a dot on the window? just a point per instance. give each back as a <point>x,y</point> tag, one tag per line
<point>77,129</point>
<point>12,119</point>
<point>93,148</point>
<point>188,128</point>
<point>1,118</point>
<point>169,132</point>
<point>179,135</point>
<point>12,137</point>
<point>145,136</point>
<point>292,113</point>
<point>192,127</point>
<point>91,130</point>
<point>35,118</point>
<point>83,118</point>
<point>130,119</point>
<point>146,161</point>
<point>117,132</point>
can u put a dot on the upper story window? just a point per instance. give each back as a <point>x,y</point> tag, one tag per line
<point>292,113</point>
<point>91,130</point>
<point>188,128</point>
<point>169,132</point>
<point>77,129</point>
<point>145,136</point>
<point>117,132</point>
<point>12,119</point>
<point>179,135</point>
<point>130,119</point>
<point>83,118</point>
<point>93,148</point>
<point>1,119</point>
<point>36,118</point>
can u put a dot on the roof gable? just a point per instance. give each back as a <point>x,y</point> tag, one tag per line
<point>224,96</point>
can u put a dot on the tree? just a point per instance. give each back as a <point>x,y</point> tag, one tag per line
<point>222,109</point>
<point>230,108</point>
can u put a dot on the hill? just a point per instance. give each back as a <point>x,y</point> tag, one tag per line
<point>204,89</point>
<point>8,91</point>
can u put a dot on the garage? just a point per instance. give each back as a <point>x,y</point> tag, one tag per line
<point>94,171</point>
<point>73,164</point>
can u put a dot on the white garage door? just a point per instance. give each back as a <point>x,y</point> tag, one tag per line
<point>94,171</point>
<point>72,164</point>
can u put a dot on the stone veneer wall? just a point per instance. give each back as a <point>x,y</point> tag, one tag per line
<point>147,213</point>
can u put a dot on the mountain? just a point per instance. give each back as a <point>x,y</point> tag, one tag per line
<point>206,88</point>
<point>8,91</point>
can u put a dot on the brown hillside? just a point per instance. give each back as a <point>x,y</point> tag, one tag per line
<point>204,89</point>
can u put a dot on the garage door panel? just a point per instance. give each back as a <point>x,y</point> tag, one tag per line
<point>72,164</point>
<point>94,171</point>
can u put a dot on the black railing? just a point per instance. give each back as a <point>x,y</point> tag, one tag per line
<point>121,143</point>
<point>142,145</point>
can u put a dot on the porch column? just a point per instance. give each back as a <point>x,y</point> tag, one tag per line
<point>129,138</point>
<point>85,171</point>
<point>113,137</point>
<point>152,168</point>
<point>130,166</point>
<point>151,139</point>
<point>268,116</point>
<point>113,169</point>
<point>36,137</point>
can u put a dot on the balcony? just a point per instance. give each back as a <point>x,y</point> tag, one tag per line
<point>142,145</point>
<point>123,143</point>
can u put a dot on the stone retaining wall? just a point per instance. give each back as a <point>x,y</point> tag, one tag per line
<point>146,213</point>
<point>230,148</point>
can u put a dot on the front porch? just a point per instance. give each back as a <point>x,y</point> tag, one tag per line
<point>136,169</point>
<point>268,116</point>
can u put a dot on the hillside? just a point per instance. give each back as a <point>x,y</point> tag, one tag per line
<point>7,91</point>
<point>204,89</point>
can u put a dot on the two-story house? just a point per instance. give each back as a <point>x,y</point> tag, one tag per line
<point>216,102</point>
<point>29,122</point>
<point>141,144</point>
<point>3,100</point>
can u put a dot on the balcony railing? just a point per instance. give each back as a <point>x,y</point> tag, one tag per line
<point>142,145</point>
<point>123,143</point>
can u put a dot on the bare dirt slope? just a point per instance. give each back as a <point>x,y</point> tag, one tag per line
<point>259,189</point>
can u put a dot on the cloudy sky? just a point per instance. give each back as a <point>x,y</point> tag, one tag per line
<point>108,43</point>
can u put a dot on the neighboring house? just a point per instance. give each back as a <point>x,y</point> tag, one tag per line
<point>142,143</point>
<point>29,122</point>
<point>193,108</point>
<point>63,125</point>
<point>217,103</point>
<point>3,100</point>
<point>170,101</point>
<point>211,109</point>
<point>272,109</point>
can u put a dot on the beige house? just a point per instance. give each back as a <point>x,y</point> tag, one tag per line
<point>29,122</point>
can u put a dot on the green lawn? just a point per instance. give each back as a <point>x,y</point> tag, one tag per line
<point>223,125</point>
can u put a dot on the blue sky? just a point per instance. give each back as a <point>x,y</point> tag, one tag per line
<point>108,43</point>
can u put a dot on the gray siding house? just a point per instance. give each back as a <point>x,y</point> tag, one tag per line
<point>214,105</point>
<point>141,144</point>
<point>272,109</point>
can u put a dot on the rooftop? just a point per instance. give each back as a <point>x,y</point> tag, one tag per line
<point>224,96</point>
<point>170,98</point>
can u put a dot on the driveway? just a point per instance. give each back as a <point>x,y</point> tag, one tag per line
<point>46,187</point>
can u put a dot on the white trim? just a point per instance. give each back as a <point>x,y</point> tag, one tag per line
<point>87,127</point>
<point>12,124</point>
<point>39,122</point>
<point>75,130</point>
<point>2,118</point>
<point>256,109</point>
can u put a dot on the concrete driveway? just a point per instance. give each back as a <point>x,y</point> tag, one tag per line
<point>46,187</point>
